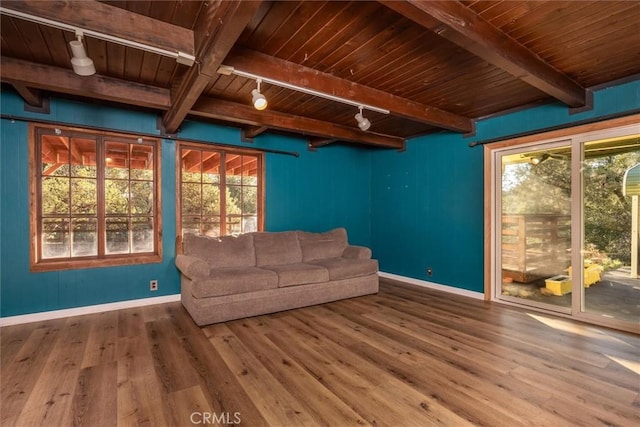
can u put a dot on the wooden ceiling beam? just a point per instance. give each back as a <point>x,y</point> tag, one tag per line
<point>241,165</point>
<point>111,20</point>
<point>63,80</point>
<point>248,133</point>
<point>216,31</point>
<point>455,22</point>
<point>211,164</point>
<point>239,113</point>
<point>278,69</point>
<point>31,96</point>
<point>73,149</point>
<point>51,169</point>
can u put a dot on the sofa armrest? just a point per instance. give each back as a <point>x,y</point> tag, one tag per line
<point>356,252</point>
<point>192,267</point>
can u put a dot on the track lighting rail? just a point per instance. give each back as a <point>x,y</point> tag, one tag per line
<point>228,70</point>
<point>180,57</point>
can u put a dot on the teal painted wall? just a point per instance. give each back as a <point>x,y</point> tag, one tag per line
<point>315,191</point>
<point>427,202</point>
<point>415,209</point>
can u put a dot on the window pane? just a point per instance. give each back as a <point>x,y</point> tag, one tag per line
<point>249,200</point>
<point>55,169</point>
<point>55,238</point>
<point>83,158</point>
<point>233,168</point>
<point>211,178</point>
<point>116,196</point>
<point>610,280</point>
<point>249,170</point>
<point>85,237</point>
<point>250,180</point>
<point>142,162</point>
<point>211,226</point>
<point>117,235</point>
<point>96,197</point>
<point>211,200</point>
<point>234,179</point>
<point>84,196</point>
<point>234,199</point>
<point>142,234</point>
<point>83,171</point>
<point>191,163</point>
<point>234,224</point>
<point>117,160</point>
<point>55,196</point>
<point>190,225</point>
<point>141,197</point>
<point>536,226</point>
<point>54,152</point>
<point>191,199</point>
<point>211,167</point>
<point>204,171</point>
<point>249,224</point>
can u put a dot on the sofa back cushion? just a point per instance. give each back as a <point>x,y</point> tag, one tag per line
<point>277,248</point>
<point>322,245</point>
<point>226,251</point>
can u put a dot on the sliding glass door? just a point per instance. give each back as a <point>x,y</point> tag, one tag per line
<point>535,226</point>
<point>610,191</point>
<point>565,226</point>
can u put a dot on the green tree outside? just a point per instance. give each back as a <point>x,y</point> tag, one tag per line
<point>545,188</point>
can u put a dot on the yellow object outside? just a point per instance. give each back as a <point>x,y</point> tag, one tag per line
<point>592,274</point>
<point>558,285</point>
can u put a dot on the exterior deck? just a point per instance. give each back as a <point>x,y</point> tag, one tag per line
<point>535,246</point>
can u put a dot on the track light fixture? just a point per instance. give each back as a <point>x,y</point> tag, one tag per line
<point>81,63</point>
<point>180,57</point>
<point>258,99</point>
<point>363,123</point>
<point>228,70</point>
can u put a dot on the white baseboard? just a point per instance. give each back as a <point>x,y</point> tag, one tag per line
<point>91,309</point>
<point>430,285</point>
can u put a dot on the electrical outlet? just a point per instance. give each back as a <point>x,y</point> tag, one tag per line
<point>153,285</point>
<point>429,271</point>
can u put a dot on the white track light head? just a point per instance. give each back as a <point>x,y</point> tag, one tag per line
<point>363,123</point>
<point>81,63</point>
<point>259,101</point>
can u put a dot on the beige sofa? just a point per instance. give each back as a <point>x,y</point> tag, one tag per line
<point>256,273</point>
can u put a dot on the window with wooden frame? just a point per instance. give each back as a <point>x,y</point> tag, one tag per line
<point>95,199</point>
<point>220,190</point>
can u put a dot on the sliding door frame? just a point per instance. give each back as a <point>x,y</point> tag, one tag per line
<point>576,136</point>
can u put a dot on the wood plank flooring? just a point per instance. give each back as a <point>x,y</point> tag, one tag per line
<point>404,357</point>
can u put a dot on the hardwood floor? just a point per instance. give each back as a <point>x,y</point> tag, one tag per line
<point>405,357</point>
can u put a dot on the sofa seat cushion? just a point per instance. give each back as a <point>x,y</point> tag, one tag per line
<point>322,245</point>
<point>277,248</point>
<point>343,268</point>
<point>234,280</point>
<point>299,274</point>
<point>226,251</point>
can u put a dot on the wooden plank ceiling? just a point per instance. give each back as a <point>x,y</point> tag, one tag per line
<point>434,65</point>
